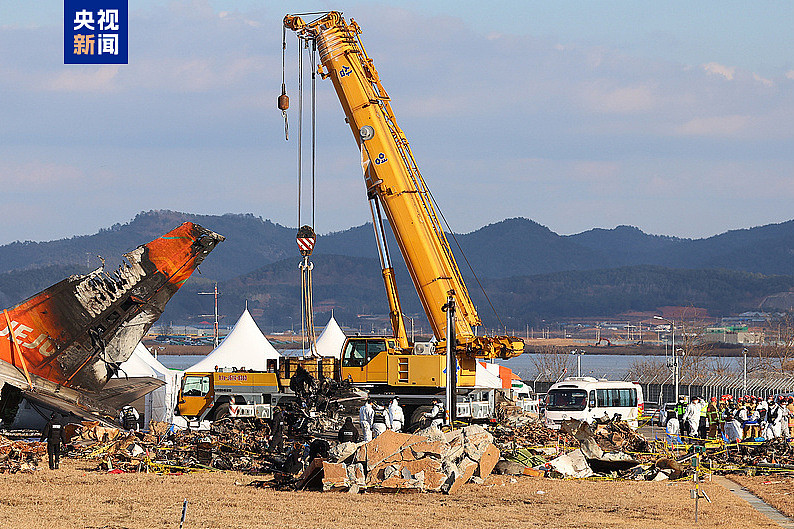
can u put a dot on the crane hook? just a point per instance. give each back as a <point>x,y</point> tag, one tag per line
<point>283,105</point>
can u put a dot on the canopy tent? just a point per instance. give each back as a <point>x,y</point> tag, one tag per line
<point>330,342</point>
<point>159,404</point>
<point>245,347</point>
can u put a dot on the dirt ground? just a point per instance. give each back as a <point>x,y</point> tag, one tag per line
<point>776,490</point>
<point>76,497</point>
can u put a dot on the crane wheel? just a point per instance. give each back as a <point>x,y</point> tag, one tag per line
<point>223,411</point>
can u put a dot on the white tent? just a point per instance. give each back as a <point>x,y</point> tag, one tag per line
<point>159,404</point>
<point>245,347</point>
<point>330,342</point>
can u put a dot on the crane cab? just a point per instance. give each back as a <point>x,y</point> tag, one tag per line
<point>376,360</point>
<point>365,359</point>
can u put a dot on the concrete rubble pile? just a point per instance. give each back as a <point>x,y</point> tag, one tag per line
<point>428,461</point>
<point>20,456</point>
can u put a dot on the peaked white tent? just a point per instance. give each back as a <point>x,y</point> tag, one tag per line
<point>245,347</point>
<point>330,342</point>
<point>159,404</point>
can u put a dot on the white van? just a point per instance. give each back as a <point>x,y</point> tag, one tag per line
<point>588,399</point>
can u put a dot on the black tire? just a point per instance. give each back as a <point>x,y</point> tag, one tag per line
<point>418,419</point>
<point>222,411</point>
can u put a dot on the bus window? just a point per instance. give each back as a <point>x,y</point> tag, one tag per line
<point>566,400</point>
<point>195,386</point>
<point>617,398</point>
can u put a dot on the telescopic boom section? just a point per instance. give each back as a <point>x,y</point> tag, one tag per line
<point>392,176</point>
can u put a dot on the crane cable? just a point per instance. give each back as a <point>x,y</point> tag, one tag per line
<point>283,100</point>
<point>306,235</point>
<point>463,254</point>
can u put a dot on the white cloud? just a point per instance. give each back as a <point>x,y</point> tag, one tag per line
<point>763,81</point>
<point>620,99</point>
<point>85,79</point>
<point>36,176</point>
<point>714,68</point>
<point>714,126</point>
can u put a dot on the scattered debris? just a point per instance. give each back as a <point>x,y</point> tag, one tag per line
<point>427,461</point>
<point>20,456</point>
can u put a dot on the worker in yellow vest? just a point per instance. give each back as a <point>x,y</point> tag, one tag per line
<point>713,418</point>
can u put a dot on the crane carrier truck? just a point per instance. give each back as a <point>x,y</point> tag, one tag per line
<point>391,365</point>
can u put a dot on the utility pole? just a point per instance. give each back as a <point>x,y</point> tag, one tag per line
<point>675,354</point>
<point>452,365</point>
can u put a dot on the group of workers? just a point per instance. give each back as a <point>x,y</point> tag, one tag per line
<point>376,419</point>
<point>748,418</point>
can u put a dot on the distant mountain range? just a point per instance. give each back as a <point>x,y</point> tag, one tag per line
<point>529,271</point>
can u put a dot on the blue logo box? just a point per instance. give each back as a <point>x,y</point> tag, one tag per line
<point>95,31</point>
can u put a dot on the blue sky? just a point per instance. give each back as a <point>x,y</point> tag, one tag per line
<point>673,117</point>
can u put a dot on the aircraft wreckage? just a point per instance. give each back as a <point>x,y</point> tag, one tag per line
<point>60,347</point>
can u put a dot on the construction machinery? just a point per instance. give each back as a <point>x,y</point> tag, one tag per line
<point>395,187</point>
<point>385,366</point>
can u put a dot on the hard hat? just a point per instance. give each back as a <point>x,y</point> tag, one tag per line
<point>713,399</point>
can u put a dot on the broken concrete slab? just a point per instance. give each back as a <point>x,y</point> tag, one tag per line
<point>334,475</point>
<point>490,457</point>
<point>343,452</point>
<point>573,465</point>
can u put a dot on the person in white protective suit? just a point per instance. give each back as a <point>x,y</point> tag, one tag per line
<point>366,415</point>
<point>380,421</point>
<point>436,414</point>
<point>692,416</point>
<point>396,415</point>
<point>773,420</point>
<point>733,428</point>
<point>673,430</point>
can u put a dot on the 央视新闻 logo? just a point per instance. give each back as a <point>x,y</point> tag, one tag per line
<point>95,31</point>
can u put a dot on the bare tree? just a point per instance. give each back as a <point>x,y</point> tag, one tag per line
<point>778,354</point>
<point>648,369</point>
<point>721,366</point>
<point>692,350</point>
<point>552,362</point>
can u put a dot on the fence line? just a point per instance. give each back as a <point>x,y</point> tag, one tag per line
<point>660,389</point>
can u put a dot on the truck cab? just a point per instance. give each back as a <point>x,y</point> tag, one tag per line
<point>217,394</point>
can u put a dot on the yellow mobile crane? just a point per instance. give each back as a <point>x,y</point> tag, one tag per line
<point>395,186</point>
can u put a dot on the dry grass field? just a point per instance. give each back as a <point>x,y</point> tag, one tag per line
<point>777,491</point>
<point>75,497</point>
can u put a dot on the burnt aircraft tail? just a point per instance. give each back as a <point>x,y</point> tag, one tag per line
<point>67,341</point>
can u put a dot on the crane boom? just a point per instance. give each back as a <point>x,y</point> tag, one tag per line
<point>393,179</point>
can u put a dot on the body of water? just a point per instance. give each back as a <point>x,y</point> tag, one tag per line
<point>613,367</point>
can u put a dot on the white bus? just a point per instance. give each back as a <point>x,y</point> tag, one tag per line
<point>588,399</point>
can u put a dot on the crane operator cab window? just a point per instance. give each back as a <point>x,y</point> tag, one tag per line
<point>195,386</point>
<point>359,352</point>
